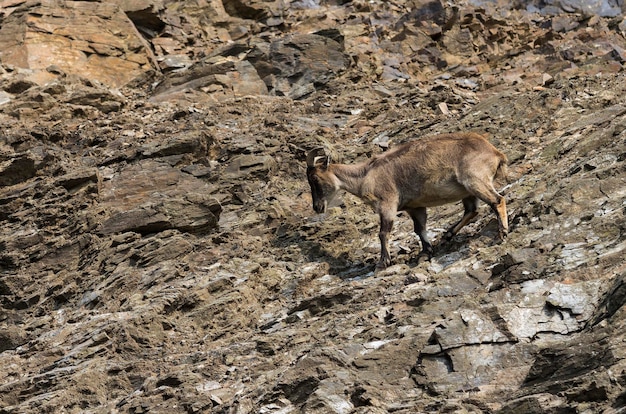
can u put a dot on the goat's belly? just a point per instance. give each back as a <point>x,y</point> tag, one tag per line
<point>437,196</point>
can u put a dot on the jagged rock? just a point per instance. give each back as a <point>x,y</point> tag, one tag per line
<point>613,300</point>
<point>17,169</point>
<point>250,165</point>
<point>296,65</point>
<point>159,253</point>
<point>224,78</point>
<point>103,100</point>
<point>11,337</point>
<point>605,8</point>
<point>192,143</point>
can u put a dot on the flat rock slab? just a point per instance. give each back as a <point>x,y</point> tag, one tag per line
<point>151,196</point>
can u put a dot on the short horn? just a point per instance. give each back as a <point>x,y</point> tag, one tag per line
<point>315,155</point>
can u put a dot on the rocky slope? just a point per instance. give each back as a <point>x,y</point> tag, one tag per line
<point>159,253</point>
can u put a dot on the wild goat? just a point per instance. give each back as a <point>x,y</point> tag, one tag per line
<point>424,173</point>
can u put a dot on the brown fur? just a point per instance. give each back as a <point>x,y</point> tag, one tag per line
<point>424,173</point>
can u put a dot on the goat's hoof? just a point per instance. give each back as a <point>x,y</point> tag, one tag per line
<point>447,236</point>
<point>382,265</point>
<point>502,234</point>
<point>423,257</point>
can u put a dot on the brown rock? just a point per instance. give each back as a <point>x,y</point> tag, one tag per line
<point>91,39</point>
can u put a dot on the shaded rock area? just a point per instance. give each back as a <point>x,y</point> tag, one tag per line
<point>159,252</point>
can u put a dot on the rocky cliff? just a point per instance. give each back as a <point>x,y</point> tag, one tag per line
<point>159,253</point>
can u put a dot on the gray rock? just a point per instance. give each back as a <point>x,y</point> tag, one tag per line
<point>5,97</point>
<point>294,65</point>
<point>580,298</point>
<point>604,8</point>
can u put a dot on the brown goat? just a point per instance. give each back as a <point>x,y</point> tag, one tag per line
<point>428,172</point>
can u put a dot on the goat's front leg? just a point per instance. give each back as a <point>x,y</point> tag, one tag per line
<point>386,224</point>
<point>418,215</point>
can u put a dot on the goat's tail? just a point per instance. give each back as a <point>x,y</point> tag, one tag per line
<point>503,170</point>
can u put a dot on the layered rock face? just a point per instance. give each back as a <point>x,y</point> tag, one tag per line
<point>159,252</point>
<point>94,39</point>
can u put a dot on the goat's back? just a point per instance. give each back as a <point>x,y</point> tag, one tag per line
<point>437,169</point>
<point>454,150</point>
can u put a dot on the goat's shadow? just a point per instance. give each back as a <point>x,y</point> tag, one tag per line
<point>343,265</point>
<point>347,267</point>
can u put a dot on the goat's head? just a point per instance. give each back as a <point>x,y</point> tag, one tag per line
<point>323,183</point>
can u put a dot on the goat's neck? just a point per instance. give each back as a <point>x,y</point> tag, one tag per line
<point>350,177</point>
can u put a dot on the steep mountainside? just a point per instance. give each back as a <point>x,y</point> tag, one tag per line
<point>159,252</point>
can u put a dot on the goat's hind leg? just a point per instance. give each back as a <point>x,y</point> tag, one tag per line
<point>471,205</point>
<point>488,194</point>
<point>503,220</point>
